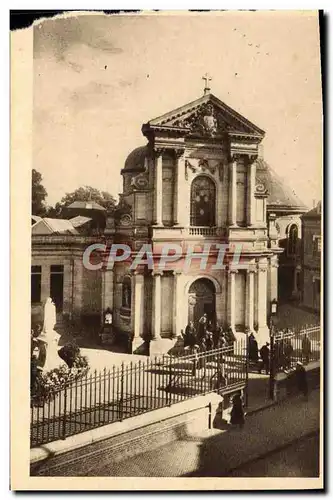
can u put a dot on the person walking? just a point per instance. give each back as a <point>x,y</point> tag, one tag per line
<point>202,327</point>
<point>209,339</point>
<point>302,379</point>
<point>216,335</point>
<point>237,416</point>
<point>265,355</point>
<point>288,351</point>
<point>253,349</point>
<point>306,348</point>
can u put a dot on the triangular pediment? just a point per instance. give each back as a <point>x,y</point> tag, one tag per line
<point>207,116</point>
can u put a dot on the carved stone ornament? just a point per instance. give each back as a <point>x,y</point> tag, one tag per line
<point>205,121</point>
<point>123,213</point>
<point>125,220</point>
<point>178,153</point>
<point>192,300</point>
<point>140,181</point>
<point>260,186</point>
<point>203,166</point>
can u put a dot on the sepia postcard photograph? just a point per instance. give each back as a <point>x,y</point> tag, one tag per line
<point>166,250</point>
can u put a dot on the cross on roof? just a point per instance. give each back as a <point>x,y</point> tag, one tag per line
<point>207,79</point>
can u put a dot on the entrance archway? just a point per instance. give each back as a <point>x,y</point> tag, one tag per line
<point>201,300</point>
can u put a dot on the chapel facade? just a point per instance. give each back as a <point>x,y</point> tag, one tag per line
<point>195,183</point>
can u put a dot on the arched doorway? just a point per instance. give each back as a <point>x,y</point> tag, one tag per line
<point>201,300</point>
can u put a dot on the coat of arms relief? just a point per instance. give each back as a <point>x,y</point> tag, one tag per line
<point>204,121</point>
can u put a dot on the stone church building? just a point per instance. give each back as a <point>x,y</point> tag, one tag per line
<point>196,182</point>
<point>199,180</point>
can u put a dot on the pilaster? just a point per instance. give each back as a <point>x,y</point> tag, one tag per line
<point>158,187</point>
<point>250,298</point>
<point>157,305</point>
<point>177,303</point>
<point>251,180</point>
<point>233,191</point>
<point>232,298</point>
<point>263,332</point>
<point>137,303</point>
<point>179,185</point>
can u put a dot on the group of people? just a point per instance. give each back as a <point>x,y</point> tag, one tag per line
<point>282,355</point>
<point>206,336</point>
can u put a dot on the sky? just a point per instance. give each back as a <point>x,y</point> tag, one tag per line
<point>98,78</point>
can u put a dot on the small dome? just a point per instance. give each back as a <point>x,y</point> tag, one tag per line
<point>135,162</point>
<point>280,196</point>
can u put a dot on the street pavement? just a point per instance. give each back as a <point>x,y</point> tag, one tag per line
<point>300,459</point>
<point>217,452</point>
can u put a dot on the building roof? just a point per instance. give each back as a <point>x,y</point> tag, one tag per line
<point>179,118</point>
<point>88,205</point>
<point>135,162</point>
<point>35,219</point>
<point>281,197</point>
<point>53,226</point>
<point>60,225</point>
<point>314,213</point>
<point>79,220</point>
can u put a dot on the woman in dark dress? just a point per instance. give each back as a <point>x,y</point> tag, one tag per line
<point>190,335</point>
<point>237,412</point>
<point>253,349</point>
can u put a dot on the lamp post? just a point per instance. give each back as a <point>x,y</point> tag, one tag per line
<point>247,370</point>
<point>273,313</point>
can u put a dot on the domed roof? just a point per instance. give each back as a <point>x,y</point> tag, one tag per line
<point>281,198</point>
<point>135,162</point>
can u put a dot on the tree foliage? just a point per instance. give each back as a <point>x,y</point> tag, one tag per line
<point>84,193</point>
<point>38,194</point>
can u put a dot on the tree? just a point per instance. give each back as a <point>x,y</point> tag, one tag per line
<point>38,194</point>
<point>84,193</point>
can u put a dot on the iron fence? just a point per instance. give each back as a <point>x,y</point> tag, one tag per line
<point>128,390</point>
<point>298,344</point>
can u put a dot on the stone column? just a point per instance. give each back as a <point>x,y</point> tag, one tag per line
<point>178,306</point>
<point>232,298</point>
<point>250,299</point>
<point>178,187</point>
<point>108,288</point>
<point>157,305</point>
<point>78,288</point>
<point>251,180</point>
<point>45,283</point>
<point>233,192</point>
<point>158,187</point>
<point>273,282</point>
<point>263,331</point>
<point>138,310</point>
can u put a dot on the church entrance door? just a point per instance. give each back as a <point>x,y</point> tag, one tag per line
<point>201,300</point>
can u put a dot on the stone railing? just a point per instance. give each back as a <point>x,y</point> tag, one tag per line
<point>202,231</point>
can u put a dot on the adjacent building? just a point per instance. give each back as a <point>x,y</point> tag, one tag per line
<point>311,258</point>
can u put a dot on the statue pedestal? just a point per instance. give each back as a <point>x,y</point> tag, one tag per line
<point>48,351</point>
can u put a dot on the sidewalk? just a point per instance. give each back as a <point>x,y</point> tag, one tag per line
<point>218,451</point>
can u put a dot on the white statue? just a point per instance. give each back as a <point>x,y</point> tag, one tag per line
<point>50,318</point>
<point>48,339</point>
